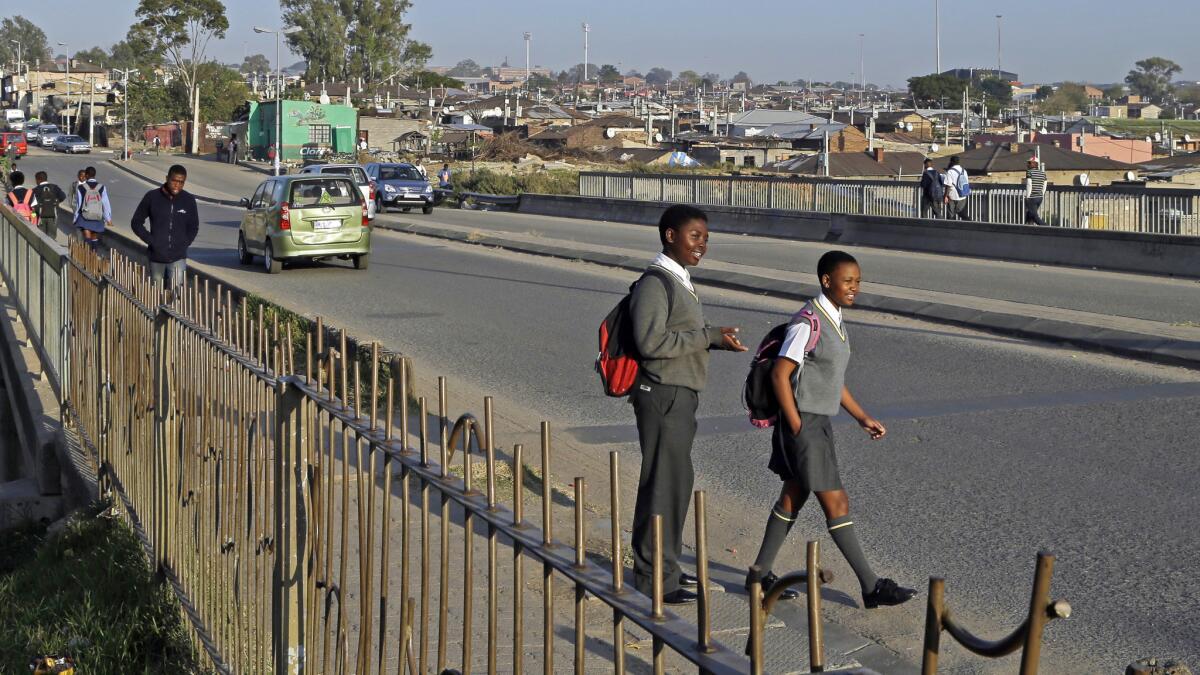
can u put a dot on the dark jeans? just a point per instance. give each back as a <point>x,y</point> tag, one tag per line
<point>1032,206</point>
<point>957,210</point>
<point>931,208</point>
<point>49,225</point>
<point>666,423</point>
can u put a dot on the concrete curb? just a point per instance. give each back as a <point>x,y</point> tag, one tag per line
<point>1142,346</point>
<point>199,197</point>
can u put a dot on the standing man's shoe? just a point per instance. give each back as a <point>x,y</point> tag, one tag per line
<point>680,596</point>
<point>887,592</point>
<point>688,581</point>
<point>769,581</point>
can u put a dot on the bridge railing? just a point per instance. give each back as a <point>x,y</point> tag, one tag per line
<point>33,267</point>
<point>274,478</point>
<point>1124,209</point>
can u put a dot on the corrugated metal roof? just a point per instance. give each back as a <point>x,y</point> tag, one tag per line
<point>1001,158</point>
<point>769,117</point>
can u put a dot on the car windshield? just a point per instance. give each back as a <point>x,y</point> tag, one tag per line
<point>48,129</point>
<point>323,192</point>
<point>360,176</point>
<point>69,139</point>
<point>398,173</point>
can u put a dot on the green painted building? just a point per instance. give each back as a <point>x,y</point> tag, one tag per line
<point>309,129</point>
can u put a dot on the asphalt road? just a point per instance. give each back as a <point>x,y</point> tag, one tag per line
<point>996,447</point>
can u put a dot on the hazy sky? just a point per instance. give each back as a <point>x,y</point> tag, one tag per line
<point>1043,40</point>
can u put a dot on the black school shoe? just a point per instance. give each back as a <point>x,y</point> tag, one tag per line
<point>688,581</point>
<point>680,596</point>
<point>768,582</point>
<point>887,592</point>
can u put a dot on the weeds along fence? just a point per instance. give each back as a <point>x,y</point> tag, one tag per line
<point>1124,209</point>
<point>276,490</point>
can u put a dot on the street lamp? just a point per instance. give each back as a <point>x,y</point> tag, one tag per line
<point>278,89</point>
<point>528,35</point>
<point>862,76</point>
<point>125,95</point>
<point>67,107</point>
<point>998,18</point>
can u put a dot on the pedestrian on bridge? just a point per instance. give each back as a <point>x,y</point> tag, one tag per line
<point>48,196</point>
<point>673,340</point>
<point>1035,192</point>
<point>93,211</point>
<point>174,223</point>
<point>809,383</point>
<point>958,188</point>
<point>933,191</point>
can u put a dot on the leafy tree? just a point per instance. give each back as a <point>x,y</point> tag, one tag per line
<point>133,53</point>
<point>741,77</point>
<point>424,79</point>
<point>1114,92</point>
<point>539,81</point>
<point>95,55</point>
<point>575,72</point>
<point>710,80</point>
<point>180,30</point>
<point>633,72</point>
<point>150,102</point>
<point>997,89</point>
<point>689,78</point>
<point>658,76</point>
<point>34,46</point>
<point>1152,77</point>
<point>933,89</point>
<point>608,74</point>
<point>1189,94</point>
<point>465,68</point>
<point>222,91</point>
<point>1069,98</point>
<point>344,39</point>
<point>255,63</point>
<point>1044,92</point>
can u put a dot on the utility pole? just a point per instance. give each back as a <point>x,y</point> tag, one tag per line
<point>67,103</point>
<point>279,92</point>
<point>528,35</point>
<point>998,70</point>
<point>862,77</point>
<point>196,121</point>
<point>91,111</point>
<point>125,95</point>
<point>586,29</point>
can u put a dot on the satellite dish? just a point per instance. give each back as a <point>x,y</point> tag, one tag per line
<point>934,147</point>
<point>1130,175</point>
<point>1157,137</point>
<point>1082,180</point>
<point>324,97</point>
<point>658,138</point>
<point>1187,138</point>
<point>1044,130</point>
<point>610,133</point>
<point>1149,140</point>
<point>908,126</point>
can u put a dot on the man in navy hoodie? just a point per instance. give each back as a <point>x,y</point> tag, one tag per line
<point>174,223</point>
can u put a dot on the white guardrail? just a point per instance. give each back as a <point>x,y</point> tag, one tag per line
<point>1121,209</point>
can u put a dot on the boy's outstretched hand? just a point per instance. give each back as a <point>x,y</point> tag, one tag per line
<point>873,427</point>
<point>729,340</point>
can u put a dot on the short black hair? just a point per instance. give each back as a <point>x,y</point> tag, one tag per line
<point>90,172</point>
<point>929,160</point>
<point>41,176</point>
<point>954,160</point>
<point>676,217</point>
<point>830,261</point>
<point>177,170</point>
<point>16,178</point>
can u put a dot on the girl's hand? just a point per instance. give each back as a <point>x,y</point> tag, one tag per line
<point>873,427</point>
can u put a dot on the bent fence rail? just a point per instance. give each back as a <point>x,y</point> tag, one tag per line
<point>1124,209</point>
<point>274,492</point>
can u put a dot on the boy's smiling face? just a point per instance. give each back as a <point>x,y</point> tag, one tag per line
<point>688,244</point>
<point>841,286</point>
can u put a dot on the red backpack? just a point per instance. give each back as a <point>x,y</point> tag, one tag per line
<point>22,207</point>
<point>617,361</point>
<point>758,394</point>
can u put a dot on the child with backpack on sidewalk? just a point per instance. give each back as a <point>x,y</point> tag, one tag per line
<point>21,198</point>
<point>48,197</point>
<point>807,378</point>
<point>93,212</point>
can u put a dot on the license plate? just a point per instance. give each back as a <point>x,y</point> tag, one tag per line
<point>326,224</point>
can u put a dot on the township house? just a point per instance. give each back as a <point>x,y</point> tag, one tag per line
<point>1007,162</point>
<point>875,165</point>
<point>908,122</point>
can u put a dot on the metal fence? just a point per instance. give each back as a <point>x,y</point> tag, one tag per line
<point>32,264</point>
<point>302,531</point>
<point>1124,209</point>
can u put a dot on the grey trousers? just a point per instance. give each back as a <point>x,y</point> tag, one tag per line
<point>666,422</point>
<point>174,272</point>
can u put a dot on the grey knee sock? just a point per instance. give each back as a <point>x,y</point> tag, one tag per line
<point>779,523</point>
<point>842,531</point>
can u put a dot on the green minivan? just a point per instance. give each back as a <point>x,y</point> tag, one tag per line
<point>305,217</point>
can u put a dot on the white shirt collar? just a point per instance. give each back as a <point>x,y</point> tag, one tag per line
<point>830,308</point>
<point>664,261</point>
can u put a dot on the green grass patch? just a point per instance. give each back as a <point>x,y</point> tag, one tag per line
<point>88,592</point>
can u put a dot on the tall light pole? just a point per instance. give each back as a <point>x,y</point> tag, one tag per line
<point>20,47</point>
<point>998,18</point>
<point>528,35</point>
<point>862,76</point>
<point>125,95</point>
<point>67,107</point>
<point>586,29</point>
<point>278,90</point>
<point>937,34</point>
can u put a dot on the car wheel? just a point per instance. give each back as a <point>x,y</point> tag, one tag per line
<point>427,209</point>
<point>361,261</point>
<point>273,266</point>
<point>244,256</point>
<point>380,207</point>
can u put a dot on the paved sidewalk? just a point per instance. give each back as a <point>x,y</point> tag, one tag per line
<point>1126,330</point>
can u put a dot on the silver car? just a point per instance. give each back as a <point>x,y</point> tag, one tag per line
<point>365,186</point>
<point>71,144</point>
<point>46,135</point>
<point>31,132</point>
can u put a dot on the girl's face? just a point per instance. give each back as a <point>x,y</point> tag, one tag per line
<point>687,244</point>
<point>841,286</point>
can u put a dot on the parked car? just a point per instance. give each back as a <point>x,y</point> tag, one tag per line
<point>353,170</point>
<point>46,135</point>
<point>72,144</point>
<point>31,132</point>
<point>16,138</point>
<point>307,217</point>
<point>400,186</point>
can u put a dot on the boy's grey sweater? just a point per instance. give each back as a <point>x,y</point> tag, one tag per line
<point>670,332</point>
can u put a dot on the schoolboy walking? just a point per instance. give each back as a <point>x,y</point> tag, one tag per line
<point>93,212</point>
<point>20,198</point>
<point>810,386</point>
<point>673,340</point>
<point>48,196</point>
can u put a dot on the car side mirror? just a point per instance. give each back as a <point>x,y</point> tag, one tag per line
<point>244,202</point>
